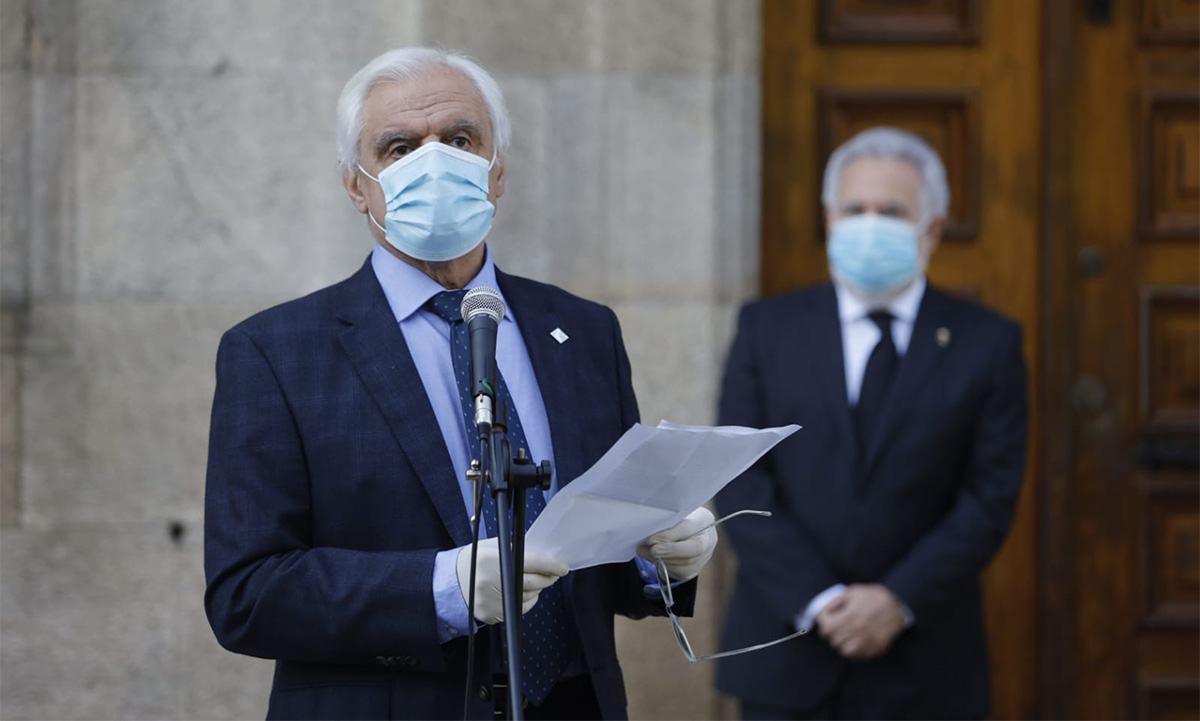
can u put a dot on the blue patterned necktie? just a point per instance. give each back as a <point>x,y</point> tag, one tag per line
<point>544,646</point>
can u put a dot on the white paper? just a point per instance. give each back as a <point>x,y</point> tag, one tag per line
<point>647,482</point>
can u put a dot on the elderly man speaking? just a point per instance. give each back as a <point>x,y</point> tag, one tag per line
<point>337,502</point>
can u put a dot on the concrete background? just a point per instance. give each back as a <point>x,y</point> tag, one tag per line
<point>167,167</point>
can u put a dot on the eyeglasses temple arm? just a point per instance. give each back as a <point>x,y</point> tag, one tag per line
<point>721,520</point>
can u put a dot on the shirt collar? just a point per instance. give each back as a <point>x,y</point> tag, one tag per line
<point>408,289</point>
<point>903,307</point>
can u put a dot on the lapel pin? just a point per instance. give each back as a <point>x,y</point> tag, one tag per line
<point>558,335</point>
<point>943,337</point>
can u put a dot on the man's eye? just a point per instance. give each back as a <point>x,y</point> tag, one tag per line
<point>400,150</point>
<point>461,142</point>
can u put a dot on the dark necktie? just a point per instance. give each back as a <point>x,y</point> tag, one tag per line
<point>544,645</point>
<point>877,381</point>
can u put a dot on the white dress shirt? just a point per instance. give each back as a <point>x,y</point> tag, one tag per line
<point>859,337</point>
<point>860,334</point>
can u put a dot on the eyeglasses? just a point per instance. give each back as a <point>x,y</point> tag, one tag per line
<point>664,586</point>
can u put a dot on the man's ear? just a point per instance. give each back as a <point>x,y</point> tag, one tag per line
<point>352,180</point>
<point>933,236</point>
<point>501,173</point>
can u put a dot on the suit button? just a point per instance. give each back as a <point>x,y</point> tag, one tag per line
<point>484,693</point>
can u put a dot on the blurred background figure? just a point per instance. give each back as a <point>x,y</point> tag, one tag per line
<point>900,486</point>
<point>1070,133</point>
<point>167,168</point>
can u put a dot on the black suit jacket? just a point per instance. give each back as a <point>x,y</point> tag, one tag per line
<point>330,491</point>
<point>922,511</point>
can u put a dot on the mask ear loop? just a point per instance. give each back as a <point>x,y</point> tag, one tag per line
<point>923,224</point>
<point>376,222</point>
<point>922,229</point>
<point>372,177</point>
<point>364,172</point>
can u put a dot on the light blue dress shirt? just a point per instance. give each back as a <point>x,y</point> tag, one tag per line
<point>428,339</point>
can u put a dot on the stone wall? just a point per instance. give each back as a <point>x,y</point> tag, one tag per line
<point>167,168</point>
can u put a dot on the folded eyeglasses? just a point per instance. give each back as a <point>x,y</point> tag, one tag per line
<point>664,585</point>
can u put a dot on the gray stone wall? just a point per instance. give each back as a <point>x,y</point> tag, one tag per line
<point>167,168</point>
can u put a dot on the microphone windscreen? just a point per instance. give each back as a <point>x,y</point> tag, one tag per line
<point>482,299</point>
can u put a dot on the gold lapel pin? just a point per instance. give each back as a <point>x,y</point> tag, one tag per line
<point>943,337</point>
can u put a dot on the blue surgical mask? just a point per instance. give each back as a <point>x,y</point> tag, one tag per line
<point>437,202</point>
<point>874,253</point>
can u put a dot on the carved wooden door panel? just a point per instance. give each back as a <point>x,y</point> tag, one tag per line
<point>964,75</point>
<point>1122,503</point>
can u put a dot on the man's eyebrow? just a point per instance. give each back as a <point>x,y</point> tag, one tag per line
<point>894,207</point>
<point>390,138</point>
<point>468,125</point>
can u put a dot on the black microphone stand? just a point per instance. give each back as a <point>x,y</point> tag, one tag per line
<point>510,477</point>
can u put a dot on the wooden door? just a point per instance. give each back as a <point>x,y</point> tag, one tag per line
<point>965,75</point>
<point>1122,502</point>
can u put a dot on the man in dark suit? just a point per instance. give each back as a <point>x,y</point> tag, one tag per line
<point>901,486</point>
<point>337,504</point>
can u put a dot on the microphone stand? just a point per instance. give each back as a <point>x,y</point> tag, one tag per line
<point>509,478</point>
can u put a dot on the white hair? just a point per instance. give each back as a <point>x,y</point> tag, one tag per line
<point>406,64</point>
<point>892,143</point>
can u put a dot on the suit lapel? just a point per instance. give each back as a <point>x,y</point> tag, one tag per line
<point>916,368</point>
<point>826,346</point>
<point>550,359</point>
<point>373,342</point>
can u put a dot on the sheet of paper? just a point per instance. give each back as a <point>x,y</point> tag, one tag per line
<point>648,481</point>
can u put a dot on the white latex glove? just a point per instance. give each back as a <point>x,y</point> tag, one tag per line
<point>684,557</point>
<point>539,572</point>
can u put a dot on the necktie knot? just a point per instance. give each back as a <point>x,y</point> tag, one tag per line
<point>882,320</point>
<point>447,305</point>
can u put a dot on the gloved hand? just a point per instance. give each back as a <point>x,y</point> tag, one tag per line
<point>684,557</point>
<point>539,572</point>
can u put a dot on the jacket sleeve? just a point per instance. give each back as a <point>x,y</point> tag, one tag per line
<point>955,551</point>
<point>777,560</point>
<point>270,592</point>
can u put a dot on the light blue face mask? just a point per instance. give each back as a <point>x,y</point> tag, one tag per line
<point>874,253</point>
<point>437,202</point>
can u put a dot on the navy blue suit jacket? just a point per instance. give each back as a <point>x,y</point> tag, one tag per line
<point>330,491</point>
<point>922,511</point>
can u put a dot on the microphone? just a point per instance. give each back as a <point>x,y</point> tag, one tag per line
<point>483,309</point>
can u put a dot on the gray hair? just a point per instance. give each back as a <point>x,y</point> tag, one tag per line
<point>892,143</point>
<point>405,64</point>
